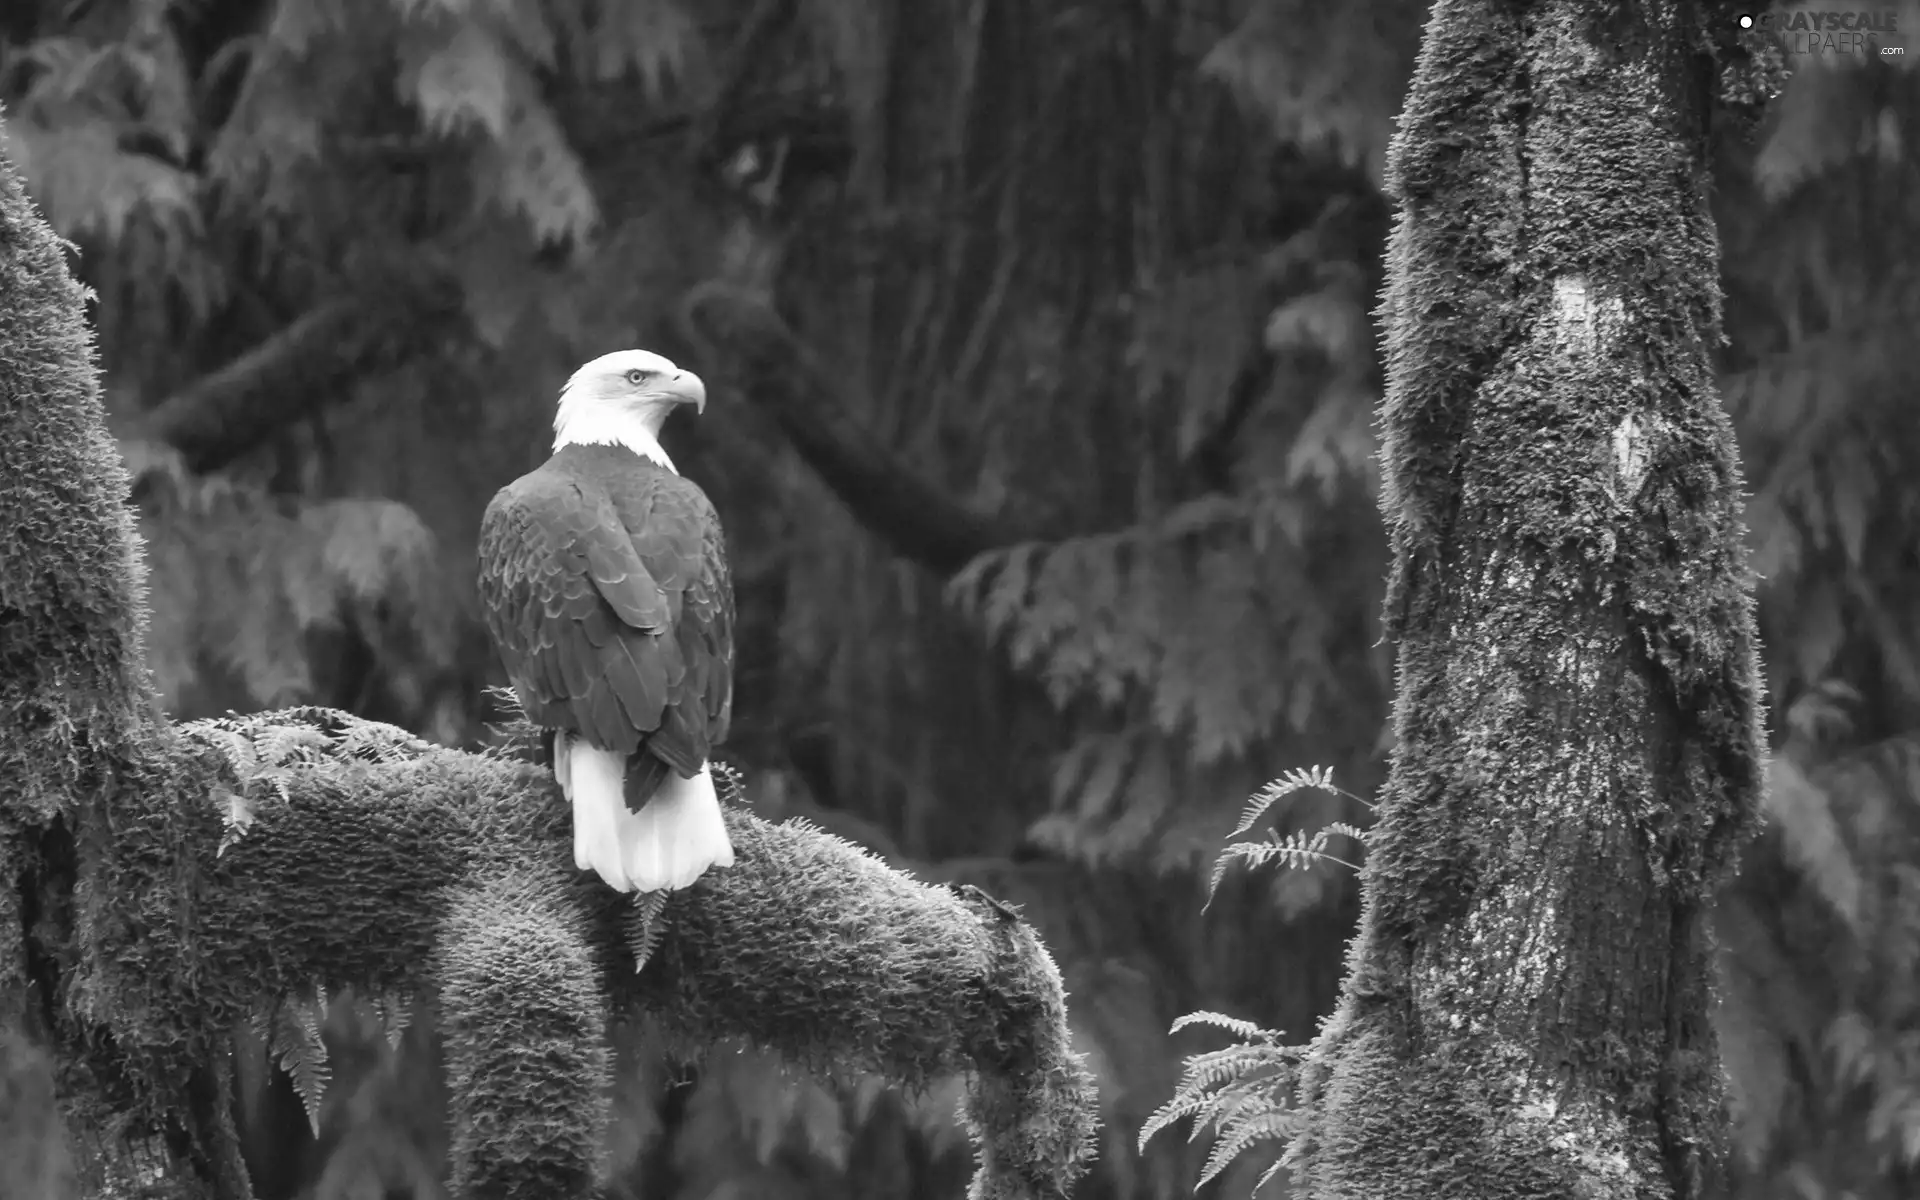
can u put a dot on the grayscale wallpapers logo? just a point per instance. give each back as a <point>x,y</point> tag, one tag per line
<point>1867,33</point>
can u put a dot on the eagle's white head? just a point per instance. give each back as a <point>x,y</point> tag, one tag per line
<point>622,399</point>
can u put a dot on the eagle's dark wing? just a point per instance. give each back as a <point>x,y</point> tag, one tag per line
<point>603,580</point>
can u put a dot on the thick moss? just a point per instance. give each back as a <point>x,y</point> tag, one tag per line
<point>1579,712</point>
<point>523,1016</point>
<point>80,736</point>
<point>436,869</point>
<point>74,698</point>
<point>819,950</point>
<point>428,870</point>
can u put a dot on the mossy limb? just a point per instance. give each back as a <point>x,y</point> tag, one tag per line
<point>421,869</point>
<point>524,1020</point>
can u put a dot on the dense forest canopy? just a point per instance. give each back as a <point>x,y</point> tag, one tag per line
<point>1044,365</point>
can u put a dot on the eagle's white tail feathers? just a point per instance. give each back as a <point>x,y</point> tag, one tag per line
<point>598,778</point>
<point>563,774</point>
<point>668,844</point>
<point>675,836</point>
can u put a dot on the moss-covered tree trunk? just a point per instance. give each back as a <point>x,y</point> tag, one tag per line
<point>1579,714</point>
<point>159,883</point>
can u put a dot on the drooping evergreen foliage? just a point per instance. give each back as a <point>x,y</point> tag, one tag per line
<point>262,588</point>
<point>1817,948</point>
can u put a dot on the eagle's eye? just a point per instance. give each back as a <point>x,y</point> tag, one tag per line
<point>636,376</point>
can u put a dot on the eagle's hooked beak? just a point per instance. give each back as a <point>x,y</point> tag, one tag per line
<point>686,387</point>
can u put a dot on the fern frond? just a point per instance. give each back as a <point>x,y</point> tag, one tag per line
<point>1293,781</point>
<point>1241,1091</point>
<point>1268,1176</point>
<point>1236,1139</point>
<point>1182,1106</point>
<point>293,1039</point>
<point>266,751</point>
<point>1246,1029</point>
<point>378,742</point>
<point>1293,850</point>
<point>1219,1068</point>
<point>645,926</point>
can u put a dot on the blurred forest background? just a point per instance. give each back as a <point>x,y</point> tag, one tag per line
<point>1054,531</point>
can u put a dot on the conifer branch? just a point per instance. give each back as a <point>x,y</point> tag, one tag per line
<point>782,377</point>
<point>310,364</point>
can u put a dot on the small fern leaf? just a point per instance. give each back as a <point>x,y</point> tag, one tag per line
<point>1289,783</point>
<point>1179,1108</point>
<point>1254,854</point>
<point>302,1054</point>
<point>376,741</point>
<point>1300,851</point>
<point>646,928</point>
<point>1268,1176</point>
<point>1222,1068</point>
<point>1270,1125</point>
<point>1246,1029</point>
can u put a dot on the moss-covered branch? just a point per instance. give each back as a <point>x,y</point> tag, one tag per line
<point>395,867</point>
<point>163,881</point>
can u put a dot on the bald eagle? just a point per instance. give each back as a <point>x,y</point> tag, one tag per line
<point>604,584</point>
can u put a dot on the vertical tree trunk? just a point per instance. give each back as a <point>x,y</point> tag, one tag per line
<point>1579,713</point>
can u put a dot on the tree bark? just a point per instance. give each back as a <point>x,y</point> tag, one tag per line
<point>159,883</point>
<point>1579,752</point>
